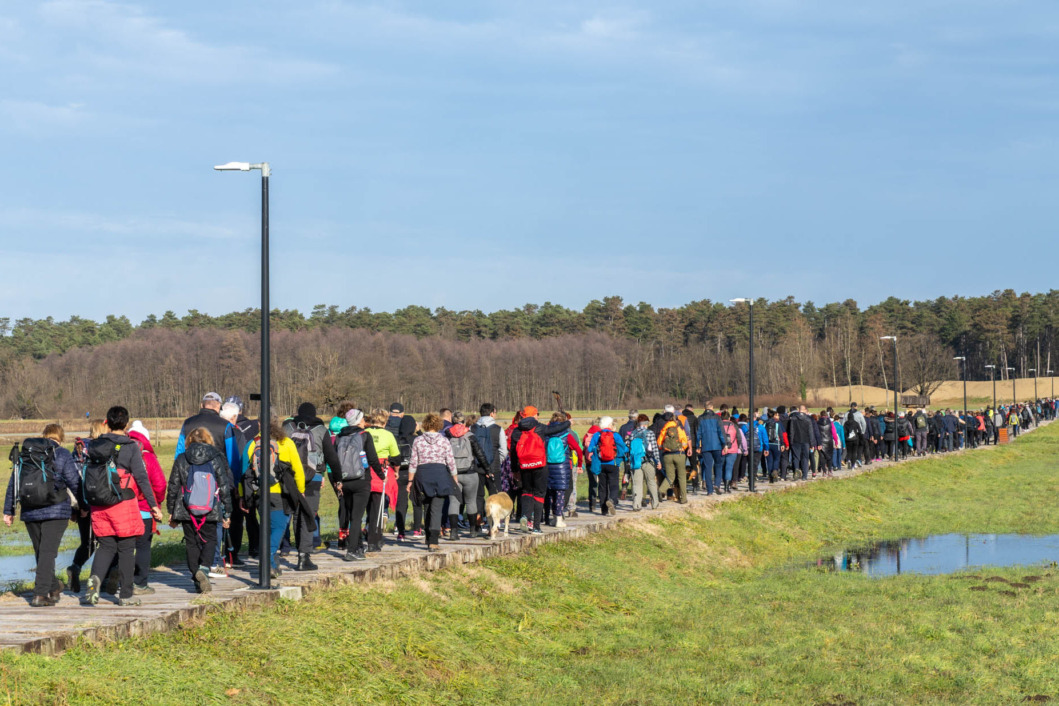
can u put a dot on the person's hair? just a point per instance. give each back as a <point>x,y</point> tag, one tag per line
<point>471,420</point>
<point>443,410</point>
<point>606,422</point>
<point>276,432</point>
<point>557,417</point>
<point>457,417</point>
<point>596,421</point>
<point>229,410</point>
<point>724,414</point>
<point>642,418</point>
<point>54,432</point>
<point>117,418</point>
<point>96,427</point>
<point>634,413</point>
<point>378,417</point>
<point>344,406</point>
<point>724,407</point>
<point>488,409</point>
<point>432,422</point>
<point>201,435</point>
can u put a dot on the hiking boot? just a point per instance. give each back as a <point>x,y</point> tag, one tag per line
<point>377,547</point>
<point>560,522</point>
<point>42,601</point>
<point>141,590</point>
<point>131,601</point>
<point>57,593</point>
<point>454,528</point>
<point>524,524</point>
<point>433,548</point>
<point>92,592</point>
<point>202,581</point>
<point>305,563</point>
<point>591,505</point>
<point>73,577</point>
<point>357,555</point>
<point>275,572</point>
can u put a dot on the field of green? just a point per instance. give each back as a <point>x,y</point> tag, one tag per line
<point>712,606</point>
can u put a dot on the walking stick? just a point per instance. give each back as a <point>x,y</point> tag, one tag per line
<point>382,500</point>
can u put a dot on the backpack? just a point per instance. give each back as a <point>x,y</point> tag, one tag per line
<point>309,446</point>
<point>671,440</point>
<point>637,448</point>
<point>35,475</point>
<point>461,451</point>
<point>852,430</point>
<point>608,450</point>
<point>101,483</point>
<point>252,477</point>
<point>351,456</point>
<point>530,450</point>
<point>921,421</point>
<point>201,492</point>
<point>557,449</point>
<point>485,441</point>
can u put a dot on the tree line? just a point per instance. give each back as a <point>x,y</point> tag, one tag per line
<point>609,354</point>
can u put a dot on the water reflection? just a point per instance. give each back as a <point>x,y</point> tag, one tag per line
<point>945,554</point>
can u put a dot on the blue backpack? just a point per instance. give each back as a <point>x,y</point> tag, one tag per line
<point>637,448</point>
<point>556,450</point>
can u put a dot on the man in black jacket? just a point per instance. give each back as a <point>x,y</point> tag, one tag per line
<point>803,434</point>
<point>403,428</point>
<point>317,454</point>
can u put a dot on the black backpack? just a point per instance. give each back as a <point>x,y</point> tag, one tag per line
<point>351,455</point>
<point>100,482</point>
<point>35,474</point>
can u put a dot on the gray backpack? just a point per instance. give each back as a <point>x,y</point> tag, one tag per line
<point>351,455</point>
<point>461,449</point>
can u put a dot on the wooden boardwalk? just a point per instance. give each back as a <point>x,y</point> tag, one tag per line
<point>52,630</point>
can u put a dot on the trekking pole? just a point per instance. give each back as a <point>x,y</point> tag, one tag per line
<point>382,500</point>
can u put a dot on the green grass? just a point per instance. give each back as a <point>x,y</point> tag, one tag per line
<point>701,607</point>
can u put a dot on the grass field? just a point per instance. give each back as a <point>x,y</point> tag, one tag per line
<point>707,607</point>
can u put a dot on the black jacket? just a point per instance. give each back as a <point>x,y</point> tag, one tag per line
<point>369,452</point>
<point>195,455</point>
<point>800,429</point>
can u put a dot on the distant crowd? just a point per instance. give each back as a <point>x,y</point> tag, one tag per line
<point>377,461</point>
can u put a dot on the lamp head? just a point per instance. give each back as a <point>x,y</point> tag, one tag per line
<point>233,167</point>
<point>740,300</point>
<point>887,338</point>
<point>959,357</point>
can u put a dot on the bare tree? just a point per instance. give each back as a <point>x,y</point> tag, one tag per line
<point>927,362</point>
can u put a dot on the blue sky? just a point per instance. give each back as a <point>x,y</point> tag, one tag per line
<point>486,154</point>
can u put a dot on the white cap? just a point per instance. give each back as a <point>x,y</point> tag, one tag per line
<point>138,426</point>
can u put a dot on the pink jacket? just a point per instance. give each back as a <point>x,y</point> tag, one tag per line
<point>155,474</point>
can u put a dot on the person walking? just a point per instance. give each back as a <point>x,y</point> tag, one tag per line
<point>432,474</point>
<point>199,498</point>
<point>673,443</point>
<point>316,452</point>
<point>82,513</point>
<point>711,441</point>
<point>606,450</point>
<point>529,457</point>
<point>469,458</point>
<point>42,483</point>
<point>403,428</point>
<point>357,458</point>
<point>493,441</point>
<point>383,488</point>
<point>156,476</point>
<point>800,428</point>
<point>646,463</point>
<point>288,478</point>
<point>115,461</point>
<point>734,448</point>
<point>562,451</point>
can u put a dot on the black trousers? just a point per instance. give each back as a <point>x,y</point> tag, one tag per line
<point>253,528</point>
<point>46,535</point>
<point>84,549</point>
<point>534,488</point>
<point>609,477</point>
<point>351,506</point>
<point>374,525</point>
<point>434,508</point>
<point>143,554</point>
<point>124,548</point>
<point>200,544</point>
<point>302,533</point>
<point>235,529</point>
<point>401,511</point>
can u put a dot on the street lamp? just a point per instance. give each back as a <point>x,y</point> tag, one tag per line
<point>264,554</point>
<point>992,376</point>
<point>1011,372</point>
<point>964,359</point>
<point>894,339</point>
<point>1053,382</point>
<point>1034,371</point>
<point>752,472</point>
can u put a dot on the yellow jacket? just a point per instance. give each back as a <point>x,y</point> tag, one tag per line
<point>385,443</point>
<point>680,435</point>
<point>288,452</point>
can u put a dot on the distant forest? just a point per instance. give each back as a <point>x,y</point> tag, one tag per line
<point>609,354</point>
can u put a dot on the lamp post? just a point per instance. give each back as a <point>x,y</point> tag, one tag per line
<point>992,376</point>
<point>894,339</point>
<point>964,359</point>
<point>264,554</point>
<point>1053,383</point>
<point>751,471</point>
<point>1034,371</point>
<point>1011,372</point>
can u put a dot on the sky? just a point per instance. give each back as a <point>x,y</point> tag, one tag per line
<point>481,155</point>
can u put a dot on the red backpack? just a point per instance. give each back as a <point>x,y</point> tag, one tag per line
<point>608,450</point>
<point>530,450</point>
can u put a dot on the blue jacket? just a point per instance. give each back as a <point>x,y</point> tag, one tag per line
<point>225,437</point>
<point>711,437</point>
<point>593,448</point>
<point>66,476</point>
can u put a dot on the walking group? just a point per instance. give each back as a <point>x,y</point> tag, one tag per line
<point>461,474</point>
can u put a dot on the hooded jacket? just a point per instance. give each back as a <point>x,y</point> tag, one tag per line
<point>66,478</point>
<point>800,427</point>
<point>123,519</point>
<point>525,424</point>
<point>432,465</point>
<point>596,465</point>
<point>155,474</point>
<point>195,455</point>
<point>497,438</point>
<point>458,431</point>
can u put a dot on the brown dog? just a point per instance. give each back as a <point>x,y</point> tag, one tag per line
<point>498,507</point>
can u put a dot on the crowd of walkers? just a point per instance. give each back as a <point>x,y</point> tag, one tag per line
<point>377,461</point>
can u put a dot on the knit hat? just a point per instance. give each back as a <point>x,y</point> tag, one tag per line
<point>354,417</point>
<point>397,408</point>
<point>138,427</point>
<point>529,411</point>
<point>307,409</point>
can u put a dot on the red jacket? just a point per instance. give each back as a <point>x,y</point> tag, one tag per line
<point>155,474</point>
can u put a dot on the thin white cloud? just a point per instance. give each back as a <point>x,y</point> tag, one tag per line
<point>72,223</point>
<point>123,39</point>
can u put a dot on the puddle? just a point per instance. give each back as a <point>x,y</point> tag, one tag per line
<point>24,567</point>
<point>945,554</point>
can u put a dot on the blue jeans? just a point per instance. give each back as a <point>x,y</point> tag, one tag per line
<point>836,458</point>
<point>277,526</point>
<point>800,454</point>
<point>729,464</point>
<point>772,461</point>
<point>711,463</point>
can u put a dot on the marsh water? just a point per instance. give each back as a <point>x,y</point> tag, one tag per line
<point>945,554</point>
